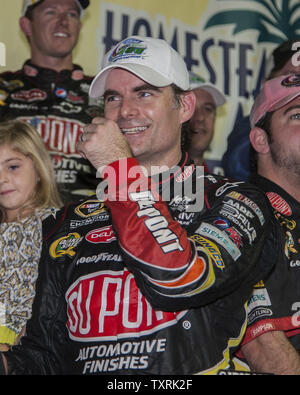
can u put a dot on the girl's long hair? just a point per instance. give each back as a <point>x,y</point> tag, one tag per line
<point>22,137</point>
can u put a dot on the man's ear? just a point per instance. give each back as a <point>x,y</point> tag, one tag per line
<point>25,25</point>
<point>259,140</point>
<point>188,104</point>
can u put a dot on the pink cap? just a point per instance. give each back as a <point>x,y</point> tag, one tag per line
<point>275,94</point>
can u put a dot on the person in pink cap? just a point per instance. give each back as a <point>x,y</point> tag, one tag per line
<point>272,340</point>
<point>236,159</point>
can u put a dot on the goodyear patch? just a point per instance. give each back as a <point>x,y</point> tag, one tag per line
<point>65,245</point>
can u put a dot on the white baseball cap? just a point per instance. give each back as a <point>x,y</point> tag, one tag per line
<point>197,82</point>
<point>151,59</point>
<point>29,3</point>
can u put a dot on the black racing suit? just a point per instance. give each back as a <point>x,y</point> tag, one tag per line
<point>58,106</point>
<point>275,303</point>
<point>144,287</point>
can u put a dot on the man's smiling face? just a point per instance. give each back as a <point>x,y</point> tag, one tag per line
<point>148,117</point>
<point>55,27</point>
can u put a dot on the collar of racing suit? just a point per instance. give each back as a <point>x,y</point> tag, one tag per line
<point>181,171</point>
<point>180,184</point>
<point>45,75</point>
<point>278,197</point>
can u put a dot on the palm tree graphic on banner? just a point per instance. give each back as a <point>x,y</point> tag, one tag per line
<point>277,24</point>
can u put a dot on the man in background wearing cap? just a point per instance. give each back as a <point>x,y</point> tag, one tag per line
<point>236,159</point>
<point>199,130</point>
<point>139,285</point>
<point>272,341</point>
<point>51,93</point>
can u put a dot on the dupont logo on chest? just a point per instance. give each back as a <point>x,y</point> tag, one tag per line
<point>279,203</point>
<point>102,235</point>
<point>109,306</point>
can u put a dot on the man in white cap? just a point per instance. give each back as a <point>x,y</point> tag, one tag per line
<point>199,130</point>
<point>140,284</point>
<point>272,341</point>
<point>51,93</point>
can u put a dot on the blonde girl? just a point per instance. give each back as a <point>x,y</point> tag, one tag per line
<point>28,194</point>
